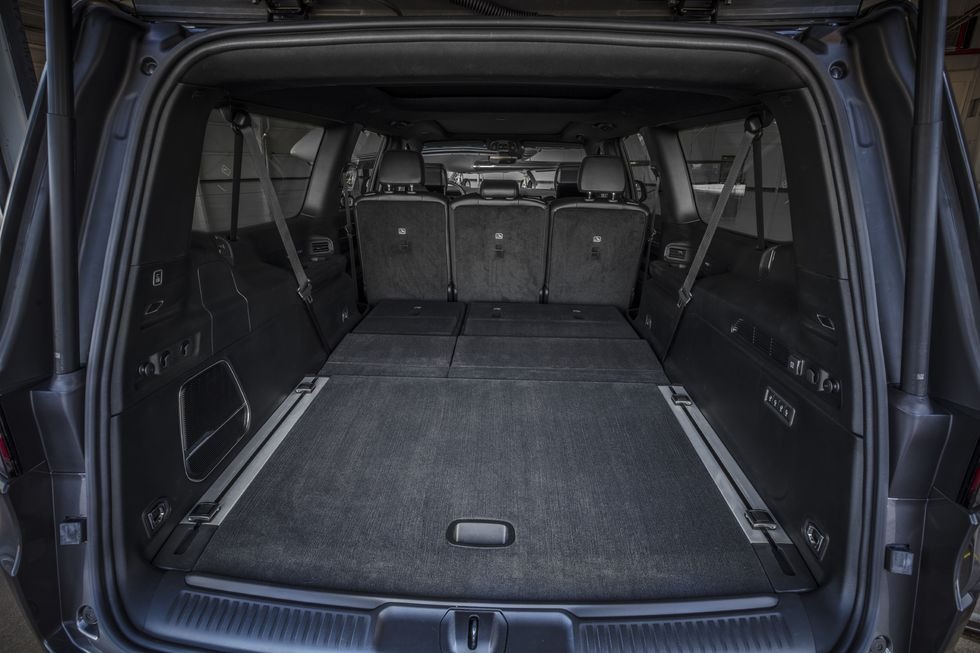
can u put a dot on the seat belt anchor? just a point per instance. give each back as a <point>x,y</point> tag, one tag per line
<point>684,297</point>
<point>306,292</point>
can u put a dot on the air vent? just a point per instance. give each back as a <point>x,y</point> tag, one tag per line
<point>677,253</point>
<point>321,246</point>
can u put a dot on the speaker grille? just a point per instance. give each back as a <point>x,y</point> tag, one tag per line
<point>214,415</point>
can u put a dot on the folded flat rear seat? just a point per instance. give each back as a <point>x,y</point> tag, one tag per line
<point>556,359</point>
<point>410,317</point>
<point>374,354</point>
<point>546,321</point>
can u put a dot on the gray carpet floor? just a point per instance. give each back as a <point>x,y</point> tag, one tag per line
<point>406,317</point>
<point>607,498</point>
<point>385,354</point>
<point>546,321</point>
<point>556,359</point>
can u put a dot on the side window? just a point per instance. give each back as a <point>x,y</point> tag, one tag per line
<point>641,169</point>
<point>367,152</point>
<point>290,149</point>
<point>710,152</point>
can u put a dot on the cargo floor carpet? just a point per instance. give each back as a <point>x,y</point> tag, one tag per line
<point>607,498</point>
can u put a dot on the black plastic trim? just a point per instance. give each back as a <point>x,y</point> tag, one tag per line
<point>211,611</point>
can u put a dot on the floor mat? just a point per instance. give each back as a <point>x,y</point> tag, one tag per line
<point>607,498</point>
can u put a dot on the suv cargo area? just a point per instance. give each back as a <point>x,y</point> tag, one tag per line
<point>401,351</point>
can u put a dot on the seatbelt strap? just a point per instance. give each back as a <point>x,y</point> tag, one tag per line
<point>348,199</point>
<point>304,288</point>
<point>652,231</point>
<point>760,217</point>
<point>753,127</point>
<point>236,184</point>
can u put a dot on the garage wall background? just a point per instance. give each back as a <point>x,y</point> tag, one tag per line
<point>963,68</point>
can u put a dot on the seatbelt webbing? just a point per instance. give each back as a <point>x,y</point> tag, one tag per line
<point>760,216</point>
<point>236,184</point>
<point>351,247</point>
<point>753,127</point>
<point>652,230</point>
<point>304,288</point>
<point>684,294</point>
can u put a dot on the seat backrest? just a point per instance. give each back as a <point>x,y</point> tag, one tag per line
<point>596,240</point>
<point>403,234</point>
<point>566,180</point>
<point>500,244</point>
<point>436,178</point>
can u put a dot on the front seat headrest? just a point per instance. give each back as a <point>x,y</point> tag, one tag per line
<point>401,168</point>
<point>436,178</point>
<point>499,189</point>
<point>602,174</point>
<point>566,180</point>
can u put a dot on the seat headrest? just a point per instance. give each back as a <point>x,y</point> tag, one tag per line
<point>435,177</point>
<point>566,180</point>
<point>401,168</point>
<point>602,174</point>
<point>499,189</point>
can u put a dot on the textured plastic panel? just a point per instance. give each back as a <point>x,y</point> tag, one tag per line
<point>254,625</point>
<point>755,633</point>
<point>210,619</point>
<point>214,416</point>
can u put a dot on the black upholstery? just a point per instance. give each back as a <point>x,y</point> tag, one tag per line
<point>596,242</point>
<point>403,234</point>
<point>566,180</point>
<point>499,189</point>
<point>436,179</point>
<point>400,168</point>
<point>602,174</point>
<point>499,245</point>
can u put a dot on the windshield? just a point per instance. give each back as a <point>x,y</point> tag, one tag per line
<point>532,165</point>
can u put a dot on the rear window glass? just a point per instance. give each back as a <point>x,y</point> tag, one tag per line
<point>364,159</point>
<point>290,149</point>
<point>531,165</point>
<point>710,152</point>
<point>641,169</point>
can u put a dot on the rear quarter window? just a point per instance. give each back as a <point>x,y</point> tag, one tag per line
<point>710,152</point>
<point>290,150</point>
<point>364,161</point>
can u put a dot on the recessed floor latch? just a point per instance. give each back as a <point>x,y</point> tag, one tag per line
<point>481,632</point>
<point>480,533</point>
